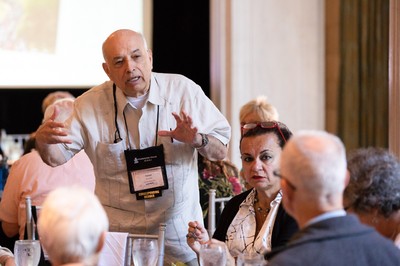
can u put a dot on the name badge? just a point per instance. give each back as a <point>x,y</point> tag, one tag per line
<point>146,172</point>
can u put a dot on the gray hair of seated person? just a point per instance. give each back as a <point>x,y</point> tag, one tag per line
<point>316,162</point>
<point>71,224</point>
<point>65,108</point>
<point>374,181</point>
<point>54,96</point>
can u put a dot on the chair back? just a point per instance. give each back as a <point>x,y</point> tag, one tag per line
<point>31,231</point>
<point>212,202</point>
<point>161,243</point>
<point>30,226</point>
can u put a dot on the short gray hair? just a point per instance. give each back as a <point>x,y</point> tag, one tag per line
<point>71,223</point>
<point>374,181</point>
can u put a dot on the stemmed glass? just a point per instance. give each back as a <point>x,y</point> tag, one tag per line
<point>212,254</point>
<point>145,252</point>
<point>27,252</point>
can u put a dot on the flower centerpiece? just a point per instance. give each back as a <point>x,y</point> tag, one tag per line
<point>223,176</point>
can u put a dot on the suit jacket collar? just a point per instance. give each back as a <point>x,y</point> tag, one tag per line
<point>333,228</point>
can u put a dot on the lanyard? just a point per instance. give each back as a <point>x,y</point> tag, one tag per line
<point>117,134</point>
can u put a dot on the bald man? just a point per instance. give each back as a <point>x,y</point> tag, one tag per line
<point>142,131</point>
<point>313,177</point>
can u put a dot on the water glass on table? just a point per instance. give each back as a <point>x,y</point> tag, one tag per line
<point>212,254</point>
<point>27,252</point>
<point>145,252</point>
<point>253,259</point>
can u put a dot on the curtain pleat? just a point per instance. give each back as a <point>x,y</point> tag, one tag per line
<point>363,85</point>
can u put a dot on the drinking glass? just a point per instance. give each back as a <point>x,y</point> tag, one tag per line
<point>212,254</point>
<point>145,252</point>
<point>27,252</point>
<point>253,259</point>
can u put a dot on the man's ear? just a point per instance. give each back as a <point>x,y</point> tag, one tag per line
<point>102,240</point>
<point>150,54</point>
<point>347,179</point>
<point>106,69</point>
<point>288,193</point>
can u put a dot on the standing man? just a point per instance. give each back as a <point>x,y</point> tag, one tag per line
<point>142,131</point>
<point>313,178</point>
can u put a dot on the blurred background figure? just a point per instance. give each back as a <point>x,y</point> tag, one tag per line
<point>72,226</point>
<point>255,220</point>
<point>30,176</point>
<point>47,101</point>
<point>54,96</point>
<point>373,191</point>
<point>258,110</point>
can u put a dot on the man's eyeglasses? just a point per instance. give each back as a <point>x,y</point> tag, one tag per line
<point>267,124</point>
<point>278,175</point>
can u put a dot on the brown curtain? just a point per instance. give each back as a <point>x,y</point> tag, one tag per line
<point>363,85</point>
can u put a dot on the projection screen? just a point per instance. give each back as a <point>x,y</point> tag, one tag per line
<point>57,43</point>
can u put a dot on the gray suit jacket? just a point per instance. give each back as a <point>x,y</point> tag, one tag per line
<point>336,241</point>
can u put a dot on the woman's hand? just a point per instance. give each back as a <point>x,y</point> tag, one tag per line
<point>196,236</point>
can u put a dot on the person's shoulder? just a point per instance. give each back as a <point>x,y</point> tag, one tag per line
<point>178,81</point>
<point>103,89</point>
<point>240,197</point>
<point>171,76</point>
<point>95,97</point>
<point>30,158</point>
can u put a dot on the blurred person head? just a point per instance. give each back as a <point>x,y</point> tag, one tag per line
<point>51,98</point>
<point>72,226</point>
<point>257,110</point>
<point>54,96</point>
<point>128,62</point>
<point>65,107</point>
<point>373,191</point>
<point>313,175</point>
<point>260,149</point>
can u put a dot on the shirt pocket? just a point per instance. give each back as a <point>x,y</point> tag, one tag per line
<point>111,161</point>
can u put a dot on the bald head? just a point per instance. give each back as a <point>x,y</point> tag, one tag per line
<point>119,36</point>
<point>315,163</point>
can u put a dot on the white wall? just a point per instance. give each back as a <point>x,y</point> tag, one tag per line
<point>275,48</point>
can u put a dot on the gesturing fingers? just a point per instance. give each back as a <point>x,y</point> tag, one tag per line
<point>183,117</point>
<point>51,132</point>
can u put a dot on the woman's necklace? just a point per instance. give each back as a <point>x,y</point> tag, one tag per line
<point>263,212</point>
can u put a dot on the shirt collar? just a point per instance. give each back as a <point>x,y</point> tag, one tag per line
<point>155,96</point>
<point>325,216</point>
